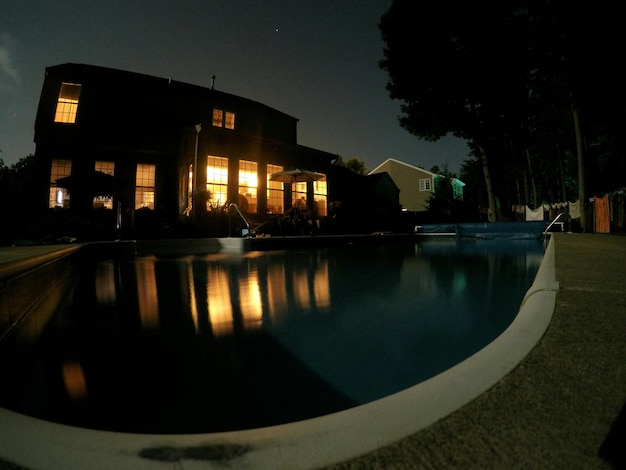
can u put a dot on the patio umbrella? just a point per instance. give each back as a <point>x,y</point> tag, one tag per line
<point>90,183</point>
<point>296,176</point>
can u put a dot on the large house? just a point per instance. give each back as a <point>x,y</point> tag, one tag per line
<point>416,185</point>
<point>129,145</point>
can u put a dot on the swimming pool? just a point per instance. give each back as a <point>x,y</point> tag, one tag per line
<point>224,342</point>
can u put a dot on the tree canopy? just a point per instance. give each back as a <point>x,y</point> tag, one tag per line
<point>15,189</point>
<point>535,87</point>
<point>355,165</point>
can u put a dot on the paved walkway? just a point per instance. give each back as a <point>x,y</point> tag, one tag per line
<point>557,407</point>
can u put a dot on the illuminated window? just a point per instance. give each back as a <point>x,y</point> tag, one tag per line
<point>144,186</point>
<point>223,119</point>
<point>105,202</point>
<point>320,189</point>
<point>217,179</point>
<point>218,117</point>
<point>229,122</point>
<point>275,191</point>
<point>67,105</point>
<point>299,195</point>
<point>248,183</point>
<point>425,184</point>
<point>59,197</point>
<point>106,167</point>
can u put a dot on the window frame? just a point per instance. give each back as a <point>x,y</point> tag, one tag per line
<point>217,178</point>
<point>224,119</point>
<point>59,168</point>
<point>249,186</point>
<point>107,167</point>
<point>320,195</point>
<point>144,189</point>
<point>275,190</point>
<point>66,110</point>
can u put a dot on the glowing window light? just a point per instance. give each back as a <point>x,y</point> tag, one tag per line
<point>59,197</point>
<point>320,192</point>
<point>108,168</point>
<point>229,122</point>
<point>217,178</point>
<point>67,104</point>
<point>105,167</point>
<point>218,117</point>
<point>144,186</point>
<point>248,183</point>
<point>275,191</point>
<point>223,118</point>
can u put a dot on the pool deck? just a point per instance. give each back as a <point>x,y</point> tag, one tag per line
<point>557,407</point>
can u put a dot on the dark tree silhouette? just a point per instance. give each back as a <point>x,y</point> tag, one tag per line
<point>532,85</point>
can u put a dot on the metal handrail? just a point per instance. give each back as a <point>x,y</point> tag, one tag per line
<point>547,230</point>
<point>236,207</point>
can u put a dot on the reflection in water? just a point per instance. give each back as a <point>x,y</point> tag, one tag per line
<point>74,380</point>
<point>193,302</point>
<point>276,292</point>
<point>147,295</point>
<point>233,291</point>
<point>220,306</point>
<point>321,291</point>
<point>105,284</point>
<point>250,301</point>
<point>224,342</point>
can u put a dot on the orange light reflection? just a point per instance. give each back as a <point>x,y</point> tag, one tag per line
<point>147,294</point>
<point>74,380</point>
<point>218,298</point>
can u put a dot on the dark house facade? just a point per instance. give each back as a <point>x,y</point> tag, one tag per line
<point>144,154</point>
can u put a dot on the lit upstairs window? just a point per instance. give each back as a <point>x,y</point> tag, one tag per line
<point>229,120</point>
<point>223,118</point>
<point>218,117</point>
<point>67,105</point>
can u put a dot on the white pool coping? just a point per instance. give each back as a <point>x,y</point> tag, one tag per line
<point>313,443</point>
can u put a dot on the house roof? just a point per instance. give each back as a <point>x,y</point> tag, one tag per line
<point>380,168</point>
<point>144,80</point>
<point>393,160</point>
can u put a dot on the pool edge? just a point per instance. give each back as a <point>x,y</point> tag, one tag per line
<point>307,444</point>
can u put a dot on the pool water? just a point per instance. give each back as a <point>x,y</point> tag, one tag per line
<point>227,342</point>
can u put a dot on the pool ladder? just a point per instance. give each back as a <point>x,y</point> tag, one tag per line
<point>235,207</point>
<point>554,221</point>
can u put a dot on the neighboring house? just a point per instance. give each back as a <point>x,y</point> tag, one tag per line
<point>416,184</point>
<point>164,144</point>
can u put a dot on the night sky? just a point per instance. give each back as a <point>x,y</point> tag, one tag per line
<point>314,60</point>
